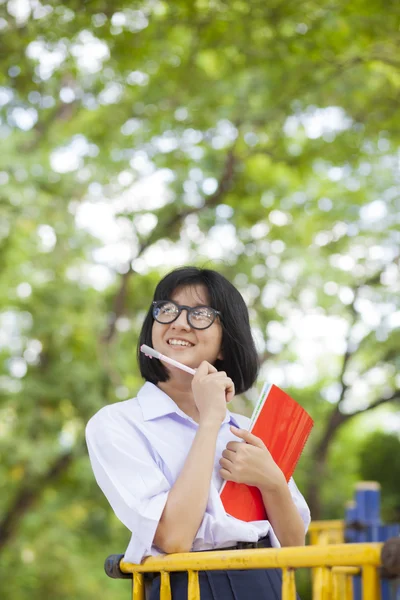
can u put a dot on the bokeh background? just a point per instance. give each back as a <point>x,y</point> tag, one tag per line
<point>258,138</point>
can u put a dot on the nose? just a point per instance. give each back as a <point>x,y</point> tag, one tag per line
<point>181,322</point>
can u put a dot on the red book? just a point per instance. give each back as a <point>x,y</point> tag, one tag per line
<point>284,427</point>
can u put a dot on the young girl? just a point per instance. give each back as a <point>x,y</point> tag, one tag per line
<point>161,458</point>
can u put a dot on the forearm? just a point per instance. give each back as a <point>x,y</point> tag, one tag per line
<point>284,516</point>
<point>187,499</point>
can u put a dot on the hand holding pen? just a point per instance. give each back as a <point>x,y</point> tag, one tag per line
<point>207,373</point>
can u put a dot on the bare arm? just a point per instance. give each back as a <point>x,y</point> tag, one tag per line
<point>283,515</point>
<point>187,499</point>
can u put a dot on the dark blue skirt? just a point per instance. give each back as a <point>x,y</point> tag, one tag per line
<point>256,584</point>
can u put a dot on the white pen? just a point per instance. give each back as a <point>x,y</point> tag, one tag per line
<point>150,352</point>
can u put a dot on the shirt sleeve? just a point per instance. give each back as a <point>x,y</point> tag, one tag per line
<point>300,503</point>
<point>128,475</point>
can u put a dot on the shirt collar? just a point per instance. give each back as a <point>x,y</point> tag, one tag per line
<point>155,403</point>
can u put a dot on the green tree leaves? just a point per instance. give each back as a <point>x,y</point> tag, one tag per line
<point>258,138</point>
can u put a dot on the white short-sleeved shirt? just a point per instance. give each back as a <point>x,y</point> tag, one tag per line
<point>137,449</point>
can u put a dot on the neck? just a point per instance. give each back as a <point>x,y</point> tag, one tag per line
<point>179,388</point>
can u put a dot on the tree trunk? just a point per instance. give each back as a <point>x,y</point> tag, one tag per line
<point>27,496</point>
<point>313,495</point>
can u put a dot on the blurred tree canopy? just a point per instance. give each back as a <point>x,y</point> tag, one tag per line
<point>258,138</point>
<point>380,461</point>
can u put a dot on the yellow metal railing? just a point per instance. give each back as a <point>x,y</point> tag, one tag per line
<point>336,564</point>
<point>340,581</point>
<point>326,532</point>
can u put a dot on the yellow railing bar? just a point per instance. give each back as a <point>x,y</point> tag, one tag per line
<point>354,555</point>
<point>322,533</point>
<point>325,591</point>
<point>322,525</point>
<point>326,532</point>
<point>346,570</point>
<point>138,587</point>
<point>371,589</point>
<point>165,586</point>
<point>342,582</point>
<point>193,585</point>
<point>288,585</point>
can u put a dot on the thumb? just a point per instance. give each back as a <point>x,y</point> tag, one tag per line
<point>208,367</point>
<point>248,437</point>
<point>205,368</point>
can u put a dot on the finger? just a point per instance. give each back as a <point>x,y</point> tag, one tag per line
<point>225,474</point>
<point>230,390</point>
<point>201,370</point>
<point>248,437</point>
<point>229,454</point>
<point>225,380</point>
<point>233,446</point>
<point>205,368</point>
<point>217,375</point>
<point>226,464</point>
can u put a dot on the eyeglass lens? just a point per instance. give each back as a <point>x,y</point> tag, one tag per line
<point>198,317</point>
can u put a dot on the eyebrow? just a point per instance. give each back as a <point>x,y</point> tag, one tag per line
<point>186,305</point>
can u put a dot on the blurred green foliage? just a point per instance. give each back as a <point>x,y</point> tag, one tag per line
<point>274,127</point>
<point>382,464</point>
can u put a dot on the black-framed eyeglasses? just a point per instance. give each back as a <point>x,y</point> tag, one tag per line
<point>198,317</point>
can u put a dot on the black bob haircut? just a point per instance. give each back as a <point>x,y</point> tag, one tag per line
<point>240,360</point>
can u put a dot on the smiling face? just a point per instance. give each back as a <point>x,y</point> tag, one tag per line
<point>180,341</point>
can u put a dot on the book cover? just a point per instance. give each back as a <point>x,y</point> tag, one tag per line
<point>284,427</point>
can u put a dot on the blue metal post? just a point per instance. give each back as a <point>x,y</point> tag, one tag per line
<point>368,502</point>
<point>367,521</point>
<point>364,515</point>
<point>350,517</point>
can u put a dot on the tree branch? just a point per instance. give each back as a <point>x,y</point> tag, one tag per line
<point>62,112</point>
<point>348,353</point>
<point>224,185</point>
<point>263,356</point>
<point>160,231</point>
<point>30,492</point>
<point>338,418</point>
<point>395,397</point>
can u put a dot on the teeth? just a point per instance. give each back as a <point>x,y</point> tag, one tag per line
<point>179,343</point>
